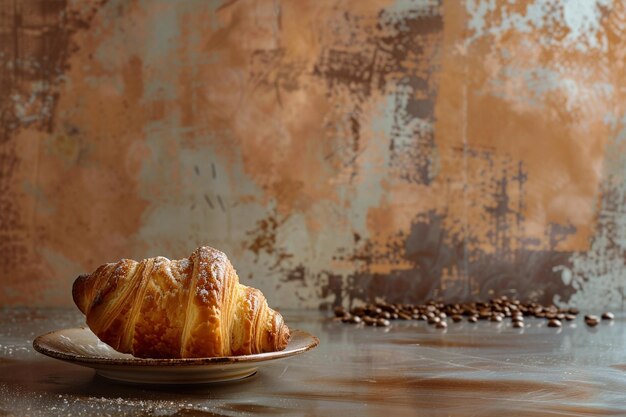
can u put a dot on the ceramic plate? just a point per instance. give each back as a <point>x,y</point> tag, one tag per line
<point>81,347</point>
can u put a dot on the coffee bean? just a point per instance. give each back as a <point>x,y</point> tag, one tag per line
<point>386,307</point>
<point>496,309</point>
<point>358,311</point>
<point>404,316</point>
<point>385,315</point>
<point>382,322</point>
<point>554,323</point>
<point>372,311</point>
<point>339,311</point>
<point>369,321</point>
<point>441,324</point>
<point>608,316</point>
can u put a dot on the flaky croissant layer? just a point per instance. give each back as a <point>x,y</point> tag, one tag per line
<point>188,308</point>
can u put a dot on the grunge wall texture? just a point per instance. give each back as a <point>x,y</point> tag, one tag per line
<point>336,150</point>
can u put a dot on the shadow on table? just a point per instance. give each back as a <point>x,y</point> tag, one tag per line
<point>54,377</point>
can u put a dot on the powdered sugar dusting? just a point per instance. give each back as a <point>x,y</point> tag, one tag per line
<point>183,263</point>
<point>212,266</point>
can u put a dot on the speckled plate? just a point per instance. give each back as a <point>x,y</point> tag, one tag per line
<point>81,347</point>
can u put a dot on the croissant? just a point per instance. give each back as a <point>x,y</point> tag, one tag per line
<point>188,308</point>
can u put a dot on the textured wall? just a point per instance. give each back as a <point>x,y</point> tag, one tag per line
<point>336,150</point>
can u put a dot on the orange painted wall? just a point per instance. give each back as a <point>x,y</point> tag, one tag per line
<point>337,151</point>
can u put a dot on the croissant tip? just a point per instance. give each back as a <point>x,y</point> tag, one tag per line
<point>284,336</point>
<point>78,292</point>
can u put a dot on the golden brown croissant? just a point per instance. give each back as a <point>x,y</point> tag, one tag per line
<point>186,308</point>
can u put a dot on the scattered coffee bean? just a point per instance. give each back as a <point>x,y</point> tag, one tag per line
<point>382,322</point>
<point>441,325</point>
<point>369,321</point>
<point>340,311</point>
<point>592,320</point>
<point>404,316</point>
<point>389,308</point>
<point>608,316</point>
<point>358,311</point>
<point>436,312</point>
<point>554,323</point>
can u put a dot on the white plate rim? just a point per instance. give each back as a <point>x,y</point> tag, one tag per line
<point>40,345</point>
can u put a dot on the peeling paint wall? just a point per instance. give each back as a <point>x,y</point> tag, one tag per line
<point>337,151</point>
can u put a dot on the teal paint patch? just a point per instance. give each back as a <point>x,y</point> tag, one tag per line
<point>41,201</point>
<point>156,42</point>
<point>112,83</point>
<point>162,30</point>
<point>580,18</point>
<point>598,273</point>
<point>477,11</point>
<point>575,84</point>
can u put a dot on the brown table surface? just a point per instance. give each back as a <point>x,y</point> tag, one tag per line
<point>483,369</point>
